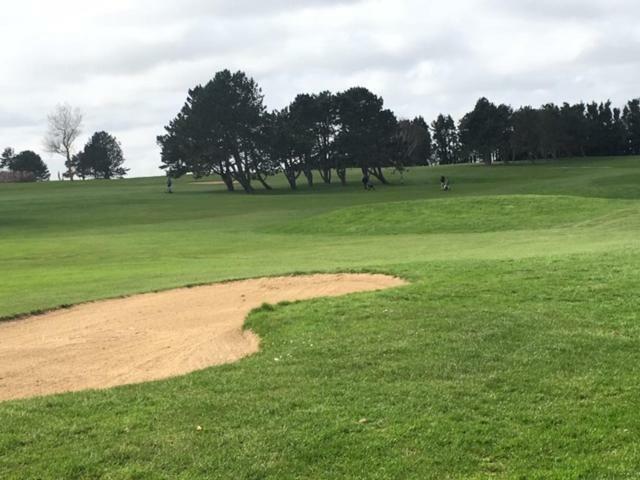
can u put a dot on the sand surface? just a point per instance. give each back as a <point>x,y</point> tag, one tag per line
<point>150,336</point>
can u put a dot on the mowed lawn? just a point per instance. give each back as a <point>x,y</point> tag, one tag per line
<point>513,353</point>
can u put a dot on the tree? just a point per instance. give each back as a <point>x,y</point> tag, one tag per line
<point>606,133</point>
<point>26,164</point>
<point>65,125</point>
<point>618,134</point>
<point>631,120</point>
<point>485,130</point>
<point>308,117</point>
<point>219,130</point>
<point>302,137</point>
<point>367,132</point>
<point>281,149</point>
<point>445,139</point>
<point>573,129</point>
<point>416,139</point>
<point>325,117</point>
<point>549,118</point>
<point>101,157</point>
<point>525,134</point>
<point>7,154</point>
<point>504,130</point>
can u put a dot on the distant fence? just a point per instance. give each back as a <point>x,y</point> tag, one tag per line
<point>9,177</point>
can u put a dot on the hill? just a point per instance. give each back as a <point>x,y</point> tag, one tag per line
<point>512,353</point>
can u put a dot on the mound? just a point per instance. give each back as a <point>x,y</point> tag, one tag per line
<point>150,336</point>
<point>457,215</point>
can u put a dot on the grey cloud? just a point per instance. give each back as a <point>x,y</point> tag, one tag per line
<point>220,9</point>
<point>12,119</point>
<point>226,41</point>
<point>620,50</point>
<point>560,10</point>
<point>138,56</point>
<point>130,66</point>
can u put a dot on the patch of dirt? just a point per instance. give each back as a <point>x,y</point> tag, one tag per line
<point>150,336</point>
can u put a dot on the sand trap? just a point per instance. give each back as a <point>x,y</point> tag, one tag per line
<point>150,336</point>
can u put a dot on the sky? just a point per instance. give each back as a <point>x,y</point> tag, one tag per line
<point>127,64</point>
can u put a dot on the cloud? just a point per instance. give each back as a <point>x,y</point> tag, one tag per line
<point>129,63</point>
<point>552,9</point>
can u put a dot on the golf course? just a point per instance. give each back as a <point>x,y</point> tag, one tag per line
<point>508,346</point>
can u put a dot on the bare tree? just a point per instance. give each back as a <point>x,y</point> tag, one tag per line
<point>65,125</point>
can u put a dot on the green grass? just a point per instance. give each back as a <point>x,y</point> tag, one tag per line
<point>512,354</point>
<point>463,215</point>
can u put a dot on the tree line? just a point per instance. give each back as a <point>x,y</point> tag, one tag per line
<point>101,157</point>
<point>225,129</point>
<point>498,133</point>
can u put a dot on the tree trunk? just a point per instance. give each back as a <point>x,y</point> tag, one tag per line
<point>309,175</point>
<point>325,174</point>
<point>244,179</point>
<point>291,178</point>
<point>69,165</point>
<point>241,172</point>
<point>263,182</point>
<point>377,172</point>
<point>228,181</point>
<point>342,174</point>
<point>245,183</point>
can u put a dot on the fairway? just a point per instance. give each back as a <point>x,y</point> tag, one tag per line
<point>511,352</point>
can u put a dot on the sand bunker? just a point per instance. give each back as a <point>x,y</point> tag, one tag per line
<point>150,336</point>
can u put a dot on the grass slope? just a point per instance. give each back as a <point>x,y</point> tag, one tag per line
<point>512,354</point>
<point>463,215</point>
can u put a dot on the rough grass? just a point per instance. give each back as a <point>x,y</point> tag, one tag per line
<point>462,215</point>
<point>512,354</point>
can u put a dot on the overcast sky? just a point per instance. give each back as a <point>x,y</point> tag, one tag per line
<point>129,63</point>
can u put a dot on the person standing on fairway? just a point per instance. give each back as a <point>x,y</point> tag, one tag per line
<point>169,185</point>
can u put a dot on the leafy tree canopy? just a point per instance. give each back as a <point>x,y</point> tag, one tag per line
<point>101,157</point>
<point>26,162</point>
